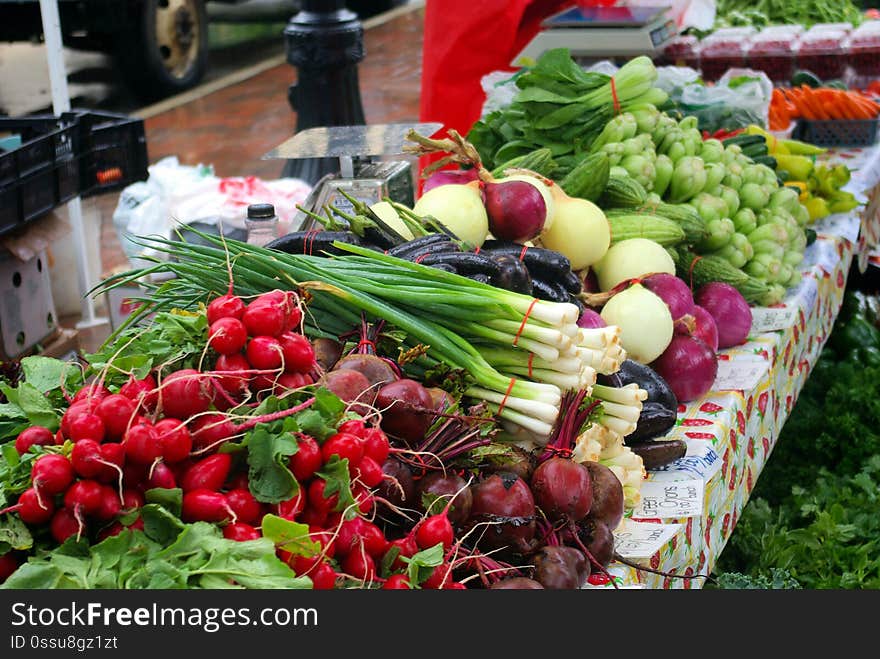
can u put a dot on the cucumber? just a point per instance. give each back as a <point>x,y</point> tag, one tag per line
<point>539,161</point>
<point>589,178</point>
<point>770,161</point>
<point>808,78</point>
<point>743,140</point>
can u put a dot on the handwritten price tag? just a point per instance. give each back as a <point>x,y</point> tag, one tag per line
<point>770,319</point>
<point>642,540</point>
<point>670,500</point>
<point>701,461</point>
<point>739,375</point>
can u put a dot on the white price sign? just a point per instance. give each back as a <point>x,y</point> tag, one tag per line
<point>641,539</point>
<point>770,319</point>
<point>670,500</point>
<point>739,374</point>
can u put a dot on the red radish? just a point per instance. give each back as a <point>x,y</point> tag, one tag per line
<point>162,477</point>
<point>84,497</point>
<point>87,426</point>
<point>326,538</point>
<point>8,565</point>
<point>33,436</point>
<point>313,516</point>
<point>175,439</point>
<point>238,481</point>
<point>110,505</point>
<point>246,508</point>
<point>59,438</point>
<point>294,319</point>
<point>689,366</point>
<point>113,455</point>
<point>347,537</point>
<point>440,578</point>
<point>86,458</point>
<point>371,537</point>
<point>562,489</point>
<point>264,383</point>
<point>184,393</point>
<point>233,374</point>
<point>208,473</point>
<point>143,392</point>
<point>355,427</point>
<point>142,444</point>
<point>264,353</point>
<point>363,497</point>
<point>76,410</point>
<point>132,499</point>
<point>264,319</point>
<point>434,530</point>
<point>211,430</point>
<point>32,508</point>
<point>376,445</point>
<point>93,391</point>
<point>360,565</point>
<point>227,336</point>
<point>298,353</point>
<point>225,306</point>
<point>240,532</point>
<point>345,446</point>
<point>291,508</point>
<point>205,506</point>
<point>64,524</point>
<point>731,312</point>
<point>316,496</point>
<point>454,585</point>
<point>324,577</point>
<point>397,582</point>
<point>307,460</point>
<point>117,412</point>
<point>288,381</point>
<point>135,475</point>
<point>406,547</point>
<point>369,472</point>
<point>51,474</point>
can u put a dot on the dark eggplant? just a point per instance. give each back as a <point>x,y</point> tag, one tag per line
<point>659,410</point>
<point>576,301</point>
<point>465,263</point>
<point>655,420</point>
<point>316,242</point>
<point>536,259</point>
<point>659,453</point>
<point>549,290</point>
<point>514,275</point>
<point>571,282</point>
<point>480,277</point>
<point>445,268</point>
<point>416,244</point>
<point>437,248</point>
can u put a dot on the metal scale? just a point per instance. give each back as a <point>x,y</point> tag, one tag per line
<point>594,33</point>
<point>360,175</point>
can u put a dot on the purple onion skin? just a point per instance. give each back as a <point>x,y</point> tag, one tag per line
<point>516,209</point>
<point>702,326</point>
<point>673,291</point>
<point>591,320</point>
<point>730,310</point>
<point>449,177</point>
<point>689,366</point>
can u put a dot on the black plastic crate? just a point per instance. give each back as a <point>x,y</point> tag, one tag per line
<point>37,194</point>
<point>9,210</point>
<point>67,179</point>
<point>114,152</point>
<point>837,132</point>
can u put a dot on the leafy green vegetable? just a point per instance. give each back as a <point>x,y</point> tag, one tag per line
<point>170,499</point>
<point>195,556</point>
<point>778,580</point>
<point>290,536</point>
<point>269,477</point>
<point>421,565</point>
<point>338,481</point>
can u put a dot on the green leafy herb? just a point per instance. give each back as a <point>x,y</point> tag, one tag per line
<point>170,499</point>
<point>338,481</point>
<point>421,565</point>
<point>290,536</point>
<point>269,477</point>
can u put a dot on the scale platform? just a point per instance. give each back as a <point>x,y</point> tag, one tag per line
<point>602,33</point>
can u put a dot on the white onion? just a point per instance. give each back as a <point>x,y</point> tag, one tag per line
<point>644,321</point>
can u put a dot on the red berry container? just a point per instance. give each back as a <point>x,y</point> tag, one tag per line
<point>724,49</point>
<point>864,51</point>
<point>823,53</point>
<point>683,50</point>
<point>774,51</point>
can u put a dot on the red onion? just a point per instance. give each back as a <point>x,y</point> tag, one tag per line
<point>729,309</point>
<point>449,177</point>
<point>591,320</point>
<point>673,291</point>
<point>689,366</point>
<point>517,208</point>
<point>699,324</point>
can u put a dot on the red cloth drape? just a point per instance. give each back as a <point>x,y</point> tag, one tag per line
<point>466,39</point>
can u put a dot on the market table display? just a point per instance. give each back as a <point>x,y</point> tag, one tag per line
<point>461,394</point>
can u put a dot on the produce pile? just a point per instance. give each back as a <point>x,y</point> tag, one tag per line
<point>784,12</point>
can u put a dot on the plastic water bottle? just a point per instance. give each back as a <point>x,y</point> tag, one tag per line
<point>261,223</point>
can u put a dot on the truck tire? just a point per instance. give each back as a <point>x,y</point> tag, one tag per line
<point>165,48</point>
